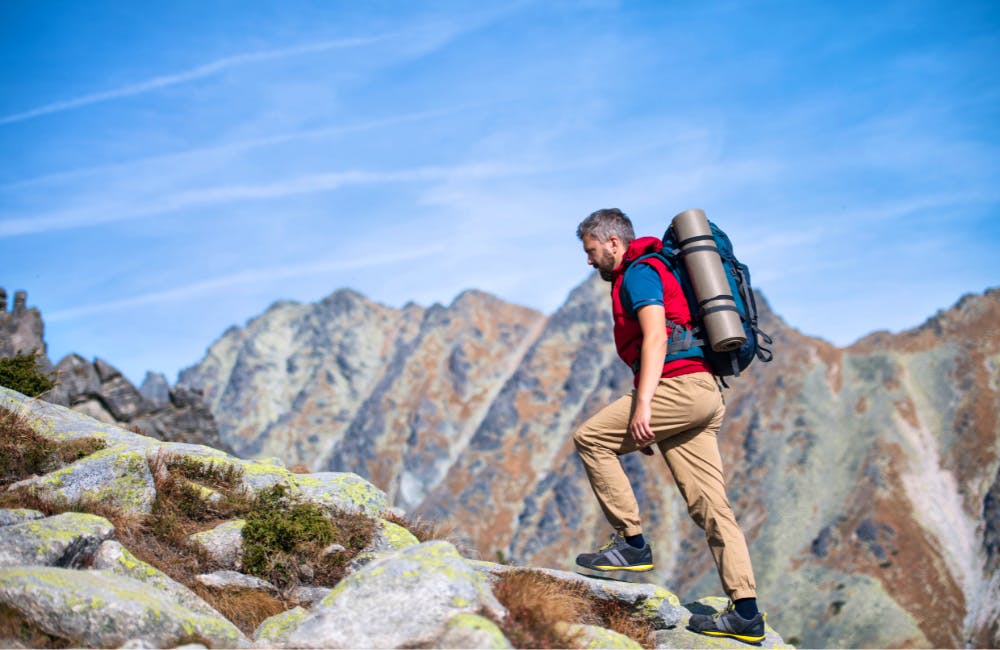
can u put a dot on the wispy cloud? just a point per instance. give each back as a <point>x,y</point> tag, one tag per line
<point>198,198</point>
<point>249,277</point>
<point>247,144</point>
<point>199,72</point>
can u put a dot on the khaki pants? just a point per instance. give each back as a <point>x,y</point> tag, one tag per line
<point>687,415</point>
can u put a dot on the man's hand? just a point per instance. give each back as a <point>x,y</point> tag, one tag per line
<point>639,426</point>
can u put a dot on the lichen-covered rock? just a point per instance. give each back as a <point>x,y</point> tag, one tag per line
<point>273,628</point>
<point>405,599</point>
<point>342,490</point>
<point>593,636</point>
<point>681,637</point>
<point>115,558</point>
<point>67,540</point>
<point>100,609</point>
<point>307,596</point>
<point>389,538</point>
<point>657,605</point>
<point>472,631</point>
<point>116,477</point>
<point>11,516</point>
<point>235,580</point>
<point>224,543</point>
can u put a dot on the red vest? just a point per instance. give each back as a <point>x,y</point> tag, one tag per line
<point>628,333</point>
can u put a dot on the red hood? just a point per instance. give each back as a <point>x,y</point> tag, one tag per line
<point>638,248</point>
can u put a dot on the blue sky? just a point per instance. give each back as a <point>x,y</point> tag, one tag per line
<point>168,170</point>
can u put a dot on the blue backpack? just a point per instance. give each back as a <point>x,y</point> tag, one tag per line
<point>685,344</point>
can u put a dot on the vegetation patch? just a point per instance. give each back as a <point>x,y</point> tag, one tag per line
<point>287,543</point>
<point>537,602</point>
<point>246,609</point>
<point>23,374</point>
<point>24,453</point>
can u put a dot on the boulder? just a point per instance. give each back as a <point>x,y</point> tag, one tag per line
<point>224,543</point>
<point>9,517</point>
<point>375,607</point>
<point>389,538</point>
<point>115,558</point>
<point>100,609</point>
<point>155,390</point>
<point>341,490</point>
<point>115,477</point>
<point>277,626</point>
<point>67,540</point>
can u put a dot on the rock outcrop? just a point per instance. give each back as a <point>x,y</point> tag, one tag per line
<point>865,477</point>
<point>67,580</point>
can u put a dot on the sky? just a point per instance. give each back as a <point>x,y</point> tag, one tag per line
<point>170,170</point>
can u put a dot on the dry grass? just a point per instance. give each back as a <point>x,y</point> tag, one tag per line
<point>24,453</point>
<point>246,609</point>
<point>537,602</point>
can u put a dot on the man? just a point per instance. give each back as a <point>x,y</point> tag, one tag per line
<point>676,405</point>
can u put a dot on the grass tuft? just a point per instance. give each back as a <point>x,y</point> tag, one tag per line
<point>16,629</point>
<point>23,374</point>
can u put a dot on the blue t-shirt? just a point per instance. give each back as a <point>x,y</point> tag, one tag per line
<point>641,286</point>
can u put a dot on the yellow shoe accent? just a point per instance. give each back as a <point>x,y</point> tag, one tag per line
<point>637,567</point>
<point>741,637</point>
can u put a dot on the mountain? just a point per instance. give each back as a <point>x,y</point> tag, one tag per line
<point>865,477</point>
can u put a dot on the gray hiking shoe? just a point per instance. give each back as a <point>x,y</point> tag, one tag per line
<point>618,555</point>
<point>729,624</point>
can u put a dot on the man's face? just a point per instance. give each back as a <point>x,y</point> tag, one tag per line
<point>603,256</point>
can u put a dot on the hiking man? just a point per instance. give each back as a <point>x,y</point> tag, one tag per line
<point>675,405</point>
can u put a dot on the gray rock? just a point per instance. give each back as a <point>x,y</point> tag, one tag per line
<point>99,609</point>
<point>594,636</point>
<point>156,390</point>
<point>9,517</point>
<point>235,580</point>
<point>277,626</point>
<point>122,399</point>
<point>67,540</point>
<point>78,381</point>
<point>307,596</point>
<point>342,490</point>
<point>115,558</point>
<point>431,574</point>
<point>115,476</point>
<point>224,543</point>
<point>106,371</point>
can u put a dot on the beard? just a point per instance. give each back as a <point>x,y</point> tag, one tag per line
<point>606,267</point>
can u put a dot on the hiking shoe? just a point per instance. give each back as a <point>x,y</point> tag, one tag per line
<point>730,624</point>
<point>618,555</point>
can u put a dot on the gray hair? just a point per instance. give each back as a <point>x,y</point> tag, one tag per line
<point>605,224</point>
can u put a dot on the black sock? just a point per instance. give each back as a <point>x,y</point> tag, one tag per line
<point>746,607</point>
<point>637,541</point>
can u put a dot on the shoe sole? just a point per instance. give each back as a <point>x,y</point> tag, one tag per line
<point>741,637</point>
<point>636,567</point>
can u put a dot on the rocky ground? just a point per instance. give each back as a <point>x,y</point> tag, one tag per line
<point>73,578</point>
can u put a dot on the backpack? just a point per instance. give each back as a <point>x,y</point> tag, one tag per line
<point>723,364</point>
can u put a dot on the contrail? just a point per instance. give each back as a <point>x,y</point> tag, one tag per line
<point>199,72</point>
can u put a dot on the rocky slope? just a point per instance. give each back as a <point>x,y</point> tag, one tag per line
<point>70,580</point>
<point>866,477</point>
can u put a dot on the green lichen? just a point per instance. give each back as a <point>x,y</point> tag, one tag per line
<point>397,537</point>
<point>594,636</point>
<point>651,606</point>
<point>477,623</point>
<point>279,625</point>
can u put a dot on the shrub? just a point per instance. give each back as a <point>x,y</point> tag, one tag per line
<point>285,542</point>
<point>24,453</point>
<point>22,373</point>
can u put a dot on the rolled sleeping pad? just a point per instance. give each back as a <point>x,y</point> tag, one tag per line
<point>711,286</point>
